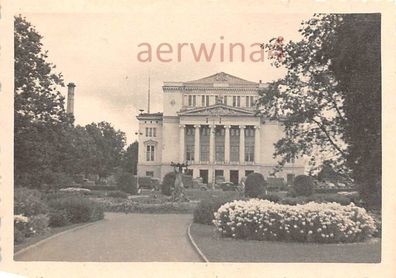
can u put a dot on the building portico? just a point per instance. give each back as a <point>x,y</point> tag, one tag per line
<point>212,124</point>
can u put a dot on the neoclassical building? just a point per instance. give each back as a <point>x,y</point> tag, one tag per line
<point>211,123</point>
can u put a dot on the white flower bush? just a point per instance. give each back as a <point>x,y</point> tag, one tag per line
<point>311,222</point>
<point>74,189</point>
<point>21,218</point>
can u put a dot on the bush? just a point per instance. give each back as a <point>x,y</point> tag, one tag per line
<point>25,227</point>
<point>312,222</point>
<point>145,182</point>
<point>117,194</point>
<point>204,212</point>
<point>59,218</point>
<point>270,197</point>
<point>303,185</point>
<point>127,183</point>
<point>255,185</point>
<point>168,183</point>
<point>77,209</point>
<point>27,202</point>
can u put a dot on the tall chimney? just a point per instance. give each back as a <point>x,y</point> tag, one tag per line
<point>70,98</point>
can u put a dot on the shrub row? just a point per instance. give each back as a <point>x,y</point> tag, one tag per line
<point>312,222</point>
<point>73,210</point>
<point>34,213</point>
<point>204,212</point>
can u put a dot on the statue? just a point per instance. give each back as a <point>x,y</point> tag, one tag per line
<point>178,190</point>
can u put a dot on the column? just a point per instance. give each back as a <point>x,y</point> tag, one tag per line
<point>241,144</point>
<point>227,144</point>
<point>212,144</point>
<point>182,143</point>
<point>257,144</point>
<point>197,144</point>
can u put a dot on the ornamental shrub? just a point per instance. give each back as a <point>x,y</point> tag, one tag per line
<point>270,197</point>
<point>27,202</point>
<point>59,218</point>
<point>204,212</point>
<point>303,185</point>
<point>312,222</point>
<point>78,209</point>
<point>127,182</point>
<point>168,183</point>
<point>255,185</point>
<point>25,227</point>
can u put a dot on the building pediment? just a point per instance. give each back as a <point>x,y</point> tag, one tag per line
<point>217,109</point>
<point>150,142</point>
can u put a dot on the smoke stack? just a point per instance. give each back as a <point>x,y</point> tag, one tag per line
<point>70,98</point>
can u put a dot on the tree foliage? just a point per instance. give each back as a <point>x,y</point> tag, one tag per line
<point>330,99</point>
<point>48,149</point>
<point>40,121</point>
<point>109,145</point>
<point>130,158</point>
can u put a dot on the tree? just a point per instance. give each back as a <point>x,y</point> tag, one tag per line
<point>331,87</point>
<point>109,148</point>
<point>130,158</point>
<point>40,120</point>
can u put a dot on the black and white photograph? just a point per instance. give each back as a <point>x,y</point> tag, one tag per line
<point>203,132</point>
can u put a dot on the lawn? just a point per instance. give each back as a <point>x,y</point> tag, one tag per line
<point>230,250</point>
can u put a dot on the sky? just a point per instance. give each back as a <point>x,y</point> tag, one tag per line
<point>97,50</point>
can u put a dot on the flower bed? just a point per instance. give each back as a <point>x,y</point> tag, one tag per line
<point>312,222</point>
<point>130,206</point>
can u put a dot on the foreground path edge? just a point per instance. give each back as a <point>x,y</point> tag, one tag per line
<point>37,244</point>
<point>194,244</point>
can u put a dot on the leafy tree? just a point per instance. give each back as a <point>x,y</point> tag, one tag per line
<point>40,120</point>
<point>130,158</point>
<point>330,92</point>
<point>109,148</point>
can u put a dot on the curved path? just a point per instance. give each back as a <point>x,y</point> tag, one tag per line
<point>121,238</point>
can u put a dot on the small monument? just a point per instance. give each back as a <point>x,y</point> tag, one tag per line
<point>178,193</point>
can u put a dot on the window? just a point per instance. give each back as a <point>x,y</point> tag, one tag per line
<point>225,100</point>
<point>236,101</point>
<point>207,100</point>
<point>204,152</point>
<point>249,101</point>
<point>194,101</point>
<point>249,144</point>
<point>291,160</point>
<point>150,153</point>
<point>234,144</point>
<point>190,152</point>
<point>151,132</point>
<point>203,100</point>
<point>149,174</point>
<point>190,100</point>
<point>249,132</point>
<point>249,153</point>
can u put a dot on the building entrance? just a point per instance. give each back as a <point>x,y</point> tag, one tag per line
<point>204,175</point>
<point>234,176</point>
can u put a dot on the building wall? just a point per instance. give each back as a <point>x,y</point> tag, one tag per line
<point>173,101</point>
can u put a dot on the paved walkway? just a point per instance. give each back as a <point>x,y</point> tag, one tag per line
<point>121,238</point>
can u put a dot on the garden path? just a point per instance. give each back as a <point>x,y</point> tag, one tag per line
<point>121,238</point>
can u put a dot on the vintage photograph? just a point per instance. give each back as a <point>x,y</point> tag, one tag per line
<point>233,136</point>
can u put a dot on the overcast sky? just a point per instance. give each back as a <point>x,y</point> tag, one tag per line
<point>98,52</point>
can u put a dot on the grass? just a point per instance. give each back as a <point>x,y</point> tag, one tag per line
<point>230,250</point>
